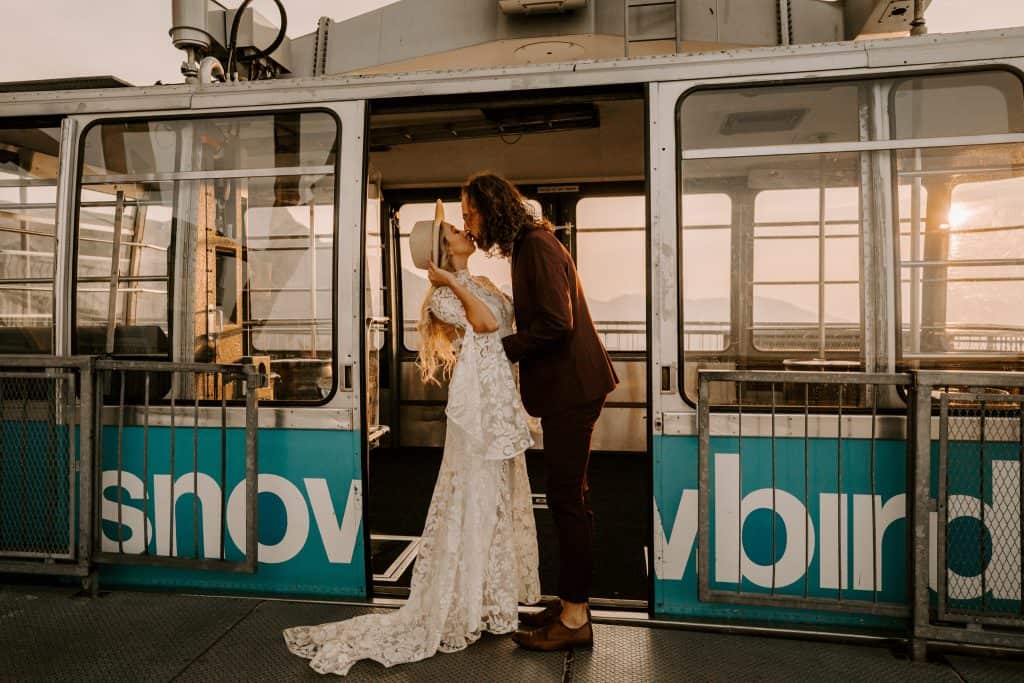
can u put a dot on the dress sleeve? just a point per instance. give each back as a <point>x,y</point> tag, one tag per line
<point>447,307</point>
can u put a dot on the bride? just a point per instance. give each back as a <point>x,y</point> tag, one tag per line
<point>478,553</point>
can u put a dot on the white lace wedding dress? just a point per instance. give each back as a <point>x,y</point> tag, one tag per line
<point>478,554</point>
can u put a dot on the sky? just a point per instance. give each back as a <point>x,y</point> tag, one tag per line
<point>128,38</point>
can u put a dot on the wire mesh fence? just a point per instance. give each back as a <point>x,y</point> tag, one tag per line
<point>37,464</point>
<point>981,447</point>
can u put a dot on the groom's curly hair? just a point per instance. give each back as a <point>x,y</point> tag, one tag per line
<point>504,213</point>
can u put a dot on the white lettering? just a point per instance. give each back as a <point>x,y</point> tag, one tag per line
<point>731,514</point>
<point>296,525</point>
<point>835,545</point>
<point>339,543</point>
<point>867,509</point>
<point>799,528</point>
<point>671,555</point>
<point>728,529</point>
<point>131,517</point>
<point>208,492</point>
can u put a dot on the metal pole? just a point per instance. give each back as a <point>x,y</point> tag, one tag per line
<point>115,271</point>
<point>251,464</point>
<point>915,255</point>
<point>920,504</point>
<point>86,423</point>
<point>918,26</point>
<point>821,257</point>
<point>785,25</point>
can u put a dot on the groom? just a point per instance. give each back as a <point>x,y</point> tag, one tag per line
<point>565,375</point>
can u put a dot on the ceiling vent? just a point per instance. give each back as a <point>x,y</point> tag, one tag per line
<point>775,121</point>
<point>540,6</point>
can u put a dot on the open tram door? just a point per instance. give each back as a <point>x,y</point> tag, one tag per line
<point>579,158</point>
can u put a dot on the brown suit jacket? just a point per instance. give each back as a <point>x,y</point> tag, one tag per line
<point>562,362</point>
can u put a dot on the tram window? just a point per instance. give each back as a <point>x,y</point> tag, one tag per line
<point>218,234</point>
<point>771,263</point>
<point>951,105</point>
<point>142,266</point>
<point>414,281</point>
<point>806,270</point>
<point>374,258</point>
<point>771,115</point>
<point>962,255</point>
<point>28,195</point>
<point>707,271</point>
<point>611,259</point>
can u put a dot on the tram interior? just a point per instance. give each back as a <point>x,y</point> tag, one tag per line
<point>579,160</point>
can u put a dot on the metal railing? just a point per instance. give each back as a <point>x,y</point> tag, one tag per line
<point>181,388</point>
<point>959,440</point>
<point>816,469</point>
<point>975,495</point>
<point>45,465</point>
<point>59,475</point>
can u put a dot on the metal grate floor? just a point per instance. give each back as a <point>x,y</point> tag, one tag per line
<point>49,634</point>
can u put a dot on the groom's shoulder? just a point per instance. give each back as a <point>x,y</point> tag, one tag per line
<point>542,240</point>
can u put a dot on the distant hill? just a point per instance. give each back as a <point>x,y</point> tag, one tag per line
<point>633,306</point>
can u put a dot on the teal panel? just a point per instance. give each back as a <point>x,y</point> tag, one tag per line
<point>309,509</point>
<point>676,487</point>
<point>872,508</point>
<point>35,487</point>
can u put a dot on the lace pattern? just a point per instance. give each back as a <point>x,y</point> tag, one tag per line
<point>478,554</point>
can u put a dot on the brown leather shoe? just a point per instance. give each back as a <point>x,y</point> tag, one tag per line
<point>556,636</point>
<point>532,620</point>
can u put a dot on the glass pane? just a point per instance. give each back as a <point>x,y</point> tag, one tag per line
<point>28,197</point>
<point>806,294</point>
<point>771,263</point>
<point>986,103</point>
<point>707,249</point>
<point>143,236</point>
<point>374,259</point>
<point>254,254</point>
<point>283,140</point>
<point>771,115</point>
<point>962,250</point>
<point>611,260</point>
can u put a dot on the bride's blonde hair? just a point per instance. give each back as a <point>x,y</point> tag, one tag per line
<point>437,351</point>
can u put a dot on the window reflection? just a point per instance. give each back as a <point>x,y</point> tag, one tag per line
<point>212,240</point>
<point>771,263</point>
<point>962,252</point>
<point>28,195</point>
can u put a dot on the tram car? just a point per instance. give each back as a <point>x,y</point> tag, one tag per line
<point>800,238</point>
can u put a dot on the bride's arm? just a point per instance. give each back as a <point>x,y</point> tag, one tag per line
<point>478,314</point>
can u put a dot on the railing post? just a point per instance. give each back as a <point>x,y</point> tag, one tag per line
<point>704,484</point>
<point>86,421</point>
<point>920,515</point>
<point>252,384</point>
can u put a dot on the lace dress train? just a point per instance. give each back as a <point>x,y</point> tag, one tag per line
<point>478,553</point>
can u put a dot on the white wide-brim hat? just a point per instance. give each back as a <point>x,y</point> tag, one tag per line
<point>425,239</point>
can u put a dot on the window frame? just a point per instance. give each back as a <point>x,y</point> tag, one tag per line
<point>57,122</point>
<point>882,193</point>
<point>74,235</point>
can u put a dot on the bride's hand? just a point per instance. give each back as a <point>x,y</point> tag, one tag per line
<point>439,277</point>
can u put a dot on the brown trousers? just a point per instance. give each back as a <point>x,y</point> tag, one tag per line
<point>566,458</point>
